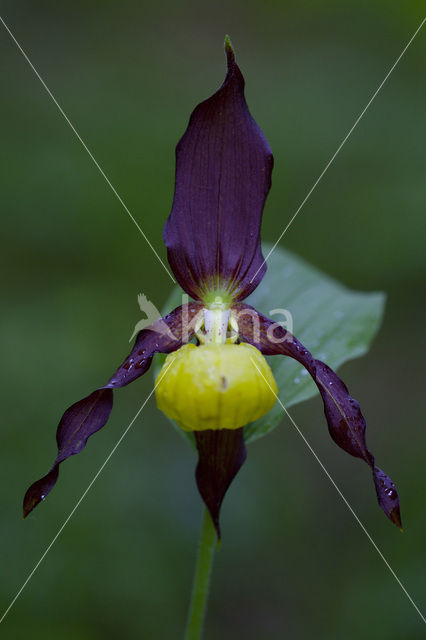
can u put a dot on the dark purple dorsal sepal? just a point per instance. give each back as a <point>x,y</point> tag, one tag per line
<point>221,454</point>
<point>90,414</point>
<point>346,423</point>
<point>223,176</point>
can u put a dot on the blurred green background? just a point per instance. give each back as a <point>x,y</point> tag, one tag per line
<point>293,563</point>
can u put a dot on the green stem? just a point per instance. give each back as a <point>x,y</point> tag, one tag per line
<point>200,585</point>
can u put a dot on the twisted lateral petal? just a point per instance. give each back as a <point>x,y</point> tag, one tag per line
<point>90,414</point>
<point>346,423</point>
<point>223,175</point>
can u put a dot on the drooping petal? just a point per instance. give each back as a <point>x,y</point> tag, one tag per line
<point>221,454</point>
<point>346,423</point>
<point>77,424</point>
<point>90,414</point>
<point>223,175</point>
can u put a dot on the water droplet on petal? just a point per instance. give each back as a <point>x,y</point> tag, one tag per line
<point>391,493</point>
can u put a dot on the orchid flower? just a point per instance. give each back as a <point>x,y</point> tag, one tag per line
<point>216,379</point>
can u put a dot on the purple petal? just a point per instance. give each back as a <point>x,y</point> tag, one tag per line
<point>165,335</point>
<point>90,414</point>
<point>223,175</point>
<point>77,424</point>
<point>221,454</point>
<point>387,496</point>
<point>346,423</point>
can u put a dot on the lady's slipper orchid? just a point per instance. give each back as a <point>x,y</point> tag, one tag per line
<point>215,388</point>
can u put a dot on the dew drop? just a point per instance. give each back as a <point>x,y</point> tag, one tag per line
<point>296,380</point>
<point>391,493</point>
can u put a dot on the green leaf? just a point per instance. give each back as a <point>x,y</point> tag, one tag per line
<point>335,323</point>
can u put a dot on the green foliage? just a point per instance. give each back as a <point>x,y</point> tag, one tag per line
<point>333,322</point>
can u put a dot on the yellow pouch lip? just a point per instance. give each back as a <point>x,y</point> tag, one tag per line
<point>215,386</point>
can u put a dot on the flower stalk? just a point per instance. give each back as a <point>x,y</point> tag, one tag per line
<point>201,581</point>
